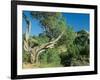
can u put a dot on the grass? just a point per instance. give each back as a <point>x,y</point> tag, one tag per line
<point>38,65</point>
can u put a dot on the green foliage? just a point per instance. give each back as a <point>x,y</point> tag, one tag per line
<point>42,39</point>
<point>51,22</point>
<point>67,38</point>
<point>82,42</point>
<point>26,57</point>
<point>67,57</point>
<point>78,51</point>
<point>51,57</point>
<point>43,58</point>
<point>82,38</point>
<point>70,36</point>
<point>71,50</point>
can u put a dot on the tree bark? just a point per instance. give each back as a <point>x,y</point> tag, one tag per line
<point>37,50</point>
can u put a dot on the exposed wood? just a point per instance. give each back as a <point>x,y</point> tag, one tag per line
<point>36,50</point>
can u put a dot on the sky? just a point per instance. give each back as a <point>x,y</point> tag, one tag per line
<point>78,21</point>
<point>36,27</point>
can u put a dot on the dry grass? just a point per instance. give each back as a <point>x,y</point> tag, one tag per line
<point>29,65</point>
<point>38,65</point>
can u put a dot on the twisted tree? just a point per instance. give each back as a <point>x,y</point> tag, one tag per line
<point>35,51</point>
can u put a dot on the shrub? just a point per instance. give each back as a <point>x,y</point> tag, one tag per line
<point>50,57</point>
<point>26,57</point>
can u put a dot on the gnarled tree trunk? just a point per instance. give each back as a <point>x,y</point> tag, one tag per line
<point>37,50</point>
